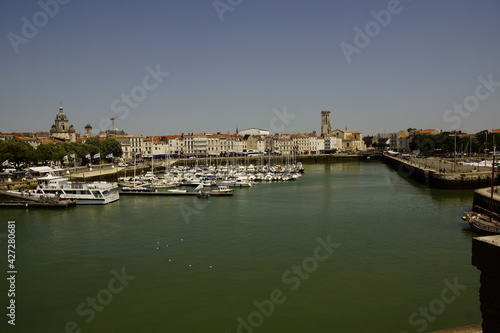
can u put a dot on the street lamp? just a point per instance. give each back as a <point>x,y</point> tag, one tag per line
<point>455,152</point>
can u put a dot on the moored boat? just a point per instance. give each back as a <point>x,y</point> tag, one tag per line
<point>481,220</point>
<point>58,188</point>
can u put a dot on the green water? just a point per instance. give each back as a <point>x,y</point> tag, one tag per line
<point>395,243</point>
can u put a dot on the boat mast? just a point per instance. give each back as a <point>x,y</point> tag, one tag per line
<point>135,163</point>
<point>492,187</point>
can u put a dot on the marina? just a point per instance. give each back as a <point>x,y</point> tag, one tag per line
<point>212,259</point>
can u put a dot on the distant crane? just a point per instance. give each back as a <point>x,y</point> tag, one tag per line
<point>113,122</point>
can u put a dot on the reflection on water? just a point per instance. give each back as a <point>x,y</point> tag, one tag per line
<point>398,242</point>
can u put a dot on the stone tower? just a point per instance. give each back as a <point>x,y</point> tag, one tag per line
<point>326,127</point>
<point>61,128</point>
<point>87,131</point>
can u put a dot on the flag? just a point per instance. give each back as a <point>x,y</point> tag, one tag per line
<point>5,163</point>
<point>109,155</point>
<point>87,156</point>
<point>98,155</point>
<point>137,154</point>
<point>72,155</point>
<point>65,158</point>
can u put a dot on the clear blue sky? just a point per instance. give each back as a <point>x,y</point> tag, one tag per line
<point>264,55</point>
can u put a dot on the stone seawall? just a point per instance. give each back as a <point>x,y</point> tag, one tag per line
<point>482,199</point>
<point>18,185</point>
<point>435,179</point>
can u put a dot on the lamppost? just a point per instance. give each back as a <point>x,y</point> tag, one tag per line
<point>455,152</point>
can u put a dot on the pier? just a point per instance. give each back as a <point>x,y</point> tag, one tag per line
<point>482,199</point>
<point>36,204</point>
<point>185,194</point>
<point>441,173</point>
<point>26,201</point>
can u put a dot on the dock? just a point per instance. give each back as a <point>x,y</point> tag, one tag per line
<point>441,174</point>
<point>26,201</point>
<point>482,199</point>
<point>186,194</point>
<point>35,204</point>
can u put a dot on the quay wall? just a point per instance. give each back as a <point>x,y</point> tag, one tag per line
<point>18,185</point>
<point>328,158</point>
<point>435,179</point>
<point>482,199</point>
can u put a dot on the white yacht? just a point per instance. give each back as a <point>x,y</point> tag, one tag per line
<point>95,193</point>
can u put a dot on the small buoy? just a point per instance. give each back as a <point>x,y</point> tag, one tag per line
<point>189,265</point>
<point>157,242</point>
<point>182,240</point>
<point>210,266</point>
<point>167,245</point>
<point>169,259</point>
<point>157,248</point>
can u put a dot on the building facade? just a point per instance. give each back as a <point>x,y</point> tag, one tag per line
<point>61,129</point>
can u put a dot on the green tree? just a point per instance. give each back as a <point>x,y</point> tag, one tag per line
<point>111,146</point>
<point>17,152</point>
<point>50,152</point>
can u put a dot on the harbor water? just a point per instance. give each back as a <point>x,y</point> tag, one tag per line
<point>349,247</point>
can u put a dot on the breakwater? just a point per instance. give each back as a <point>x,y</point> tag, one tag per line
<point>440,179</point>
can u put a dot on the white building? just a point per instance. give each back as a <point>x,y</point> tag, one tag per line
<point>131,145</point>
<point>332,143</point>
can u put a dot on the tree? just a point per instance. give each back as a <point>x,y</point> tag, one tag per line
<point>49,152</point>
<point>17,152</point>
<point>111,146</point>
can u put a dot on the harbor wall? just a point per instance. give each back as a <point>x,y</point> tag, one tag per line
<point>18,185</point>
<point>438,180</point>
<point>408,171</point>
<point>482,199</point>
<point>485,255</point>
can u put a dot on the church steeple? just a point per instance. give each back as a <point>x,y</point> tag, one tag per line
<point>61,128</point>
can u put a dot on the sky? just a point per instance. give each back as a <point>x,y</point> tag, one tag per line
<point>172,67</point>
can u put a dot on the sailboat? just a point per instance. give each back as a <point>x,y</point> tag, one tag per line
<point>485,221</point>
